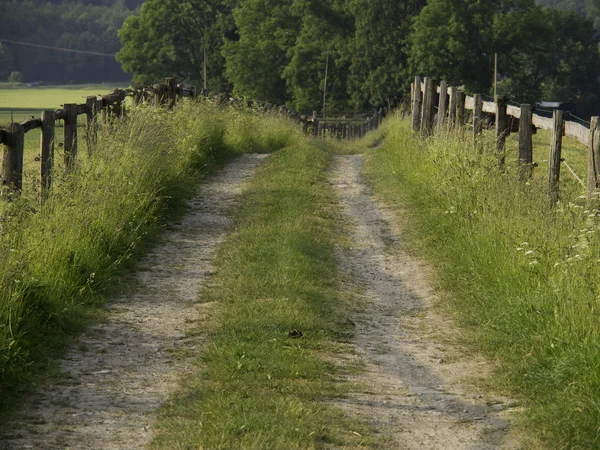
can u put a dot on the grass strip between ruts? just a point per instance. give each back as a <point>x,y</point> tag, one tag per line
<point>257,387</point>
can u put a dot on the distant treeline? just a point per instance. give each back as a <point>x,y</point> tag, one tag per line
<point>587,8</point>
<point>88,25</point>
<point>279,50</point>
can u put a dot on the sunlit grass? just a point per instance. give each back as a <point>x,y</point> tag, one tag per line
<point>60,257</point>
<point>524,276</point>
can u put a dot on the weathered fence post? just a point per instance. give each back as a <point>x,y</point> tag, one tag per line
<point>502,129</point>
<point>416,105</point>
<point>460,108</point>
<point>121,99</point>
<point>171,91</point>
<point>452,107</point>
<point>427,113</point>
<point>47,150</point>
<point>12,161</point>
<point>593,181</point>
<point>92,122</point>
<point>160,92</point>
<point>477,120</point>
<point>70,134</point>
<point>525,143</point>
<point>442,103</point>
<point>555,155</point>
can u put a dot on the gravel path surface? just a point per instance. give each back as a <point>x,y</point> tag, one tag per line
<point>417,391</point>
<point>121,371</point>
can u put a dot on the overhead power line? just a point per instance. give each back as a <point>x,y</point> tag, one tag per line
<point>60,49</point>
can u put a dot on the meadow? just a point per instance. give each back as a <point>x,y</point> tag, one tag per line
<point>521,275</point>
<point>99,217</point>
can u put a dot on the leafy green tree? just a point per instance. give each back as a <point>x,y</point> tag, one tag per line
<point>255,62</point>
<point>16,77</point>
<point>6,62</point>
<point>323,35</point>
<point>378,52</point>
<point>169,37</point>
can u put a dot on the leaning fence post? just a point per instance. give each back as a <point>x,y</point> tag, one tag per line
<point>555,155</point>
<point>442,103</point>
<point>70,134</point>
<point>416,105</point>
<point>593,157</point>
<point>460,108</point>
<point>47,150</point>
<point>171,91</point>
<point>477,119</point>
<point>12,161</point>
<point>525,143</point>
<point>452,107</point>
<point>427,113</point>
<point>502,129</point>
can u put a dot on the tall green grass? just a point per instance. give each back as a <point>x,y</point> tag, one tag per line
<point>61,257</point>
<point>524,277</point>
<point>257,387</point>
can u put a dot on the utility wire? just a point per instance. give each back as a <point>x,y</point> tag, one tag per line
<point>60,49</point>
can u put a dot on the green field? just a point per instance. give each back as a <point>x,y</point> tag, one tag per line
<point>38,98</point>
<point>21,103</point>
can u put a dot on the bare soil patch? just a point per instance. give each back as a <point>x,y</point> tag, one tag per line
<point>418,389</point>
<point>120,372</point>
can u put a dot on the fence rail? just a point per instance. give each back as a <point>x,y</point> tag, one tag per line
<point>423,107</point>
<point>102,109</point>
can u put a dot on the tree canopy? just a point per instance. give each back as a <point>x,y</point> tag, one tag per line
<point>169,37</point>
<point>277,50</point>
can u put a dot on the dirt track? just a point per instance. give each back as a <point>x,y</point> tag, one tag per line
<point>121,371</point>
<point>417,392</point>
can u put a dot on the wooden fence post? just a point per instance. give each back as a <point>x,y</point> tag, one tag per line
<point>452,108</point>
<point>12,161</point>
<point>171,91</point>
<point>555,155</point>
<point>416,105</point>
<point>443,101</point>
<point>92,122</point>
<point>460,109</point>
<point>70,134</point>
<point>477,120</point>
<point>427,113</point>
<point>525,143</point>
<point>593,181</point>
<point>47,150</point>
<point>502,129</point>
<point>121,99</point>
<point>160,92</point>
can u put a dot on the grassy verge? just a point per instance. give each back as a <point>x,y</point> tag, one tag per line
<point>258,388</point>
<point>524,277</point>
<point>61,258</point>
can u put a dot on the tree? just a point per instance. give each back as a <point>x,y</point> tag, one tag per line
<point>6,62</point>
<point>324,32</point>
<point>169,37</point>
<point>255,62</point>
<point>454,40</point>
<point>377,51</point>
<point>16,77</point>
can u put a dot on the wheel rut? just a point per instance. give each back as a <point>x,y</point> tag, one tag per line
<point>119,372</point>
<point>417,390</point>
